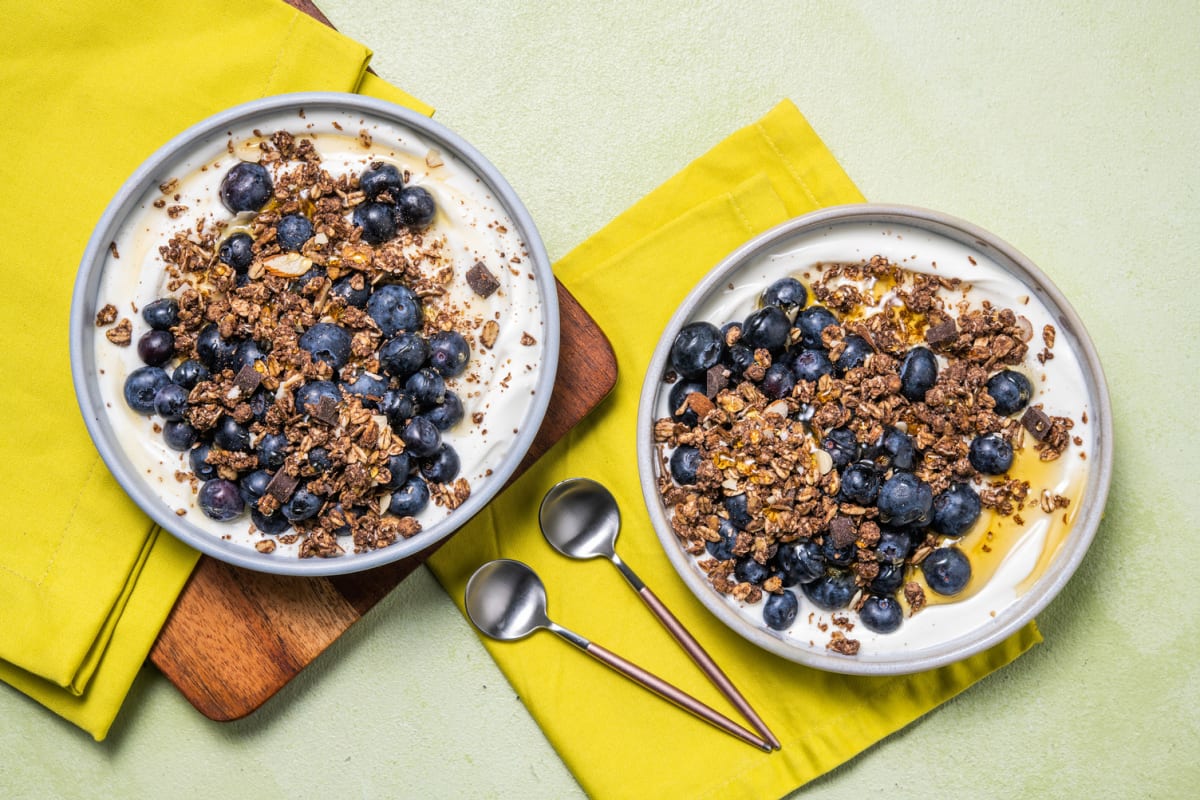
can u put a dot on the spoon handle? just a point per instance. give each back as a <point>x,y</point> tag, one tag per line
<point>673,694</point>
<point>699,655</point>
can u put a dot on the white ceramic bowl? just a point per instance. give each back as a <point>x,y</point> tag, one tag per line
<point>195,152</point>
<point>938,634</point>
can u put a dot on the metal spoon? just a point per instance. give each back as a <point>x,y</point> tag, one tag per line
<point>580,519</point>
<point>506,600</point>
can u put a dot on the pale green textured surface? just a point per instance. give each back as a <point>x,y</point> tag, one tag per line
<point>1070,131</point>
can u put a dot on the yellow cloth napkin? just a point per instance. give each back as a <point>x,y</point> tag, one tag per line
<point>90,90</point>
<point>619,740</point>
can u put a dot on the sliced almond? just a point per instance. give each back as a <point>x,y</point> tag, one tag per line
<point>288,265</point>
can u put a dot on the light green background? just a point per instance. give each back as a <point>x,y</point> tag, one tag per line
<point>1068,129</point>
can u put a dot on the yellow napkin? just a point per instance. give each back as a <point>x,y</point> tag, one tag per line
<point>90,90</point>
<point>619,740</point>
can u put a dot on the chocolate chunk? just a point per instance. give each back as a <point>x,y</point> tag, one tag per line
<point>282,486</point>
<point>1037,422</point>
<point>942,333</point>
<point>326,410</point>
<point>481,280</point>
<point>842,531</point>
<point>247,380</point>
<point>716,379</point>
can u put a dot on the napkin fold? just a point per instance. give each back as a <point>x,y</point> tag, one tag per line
<point>90,90</point>
<point>617,739</point>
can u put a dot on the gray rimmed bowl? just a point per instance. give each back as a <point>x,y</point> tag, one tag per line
<point>196,149</point>
<point>1022,586</point>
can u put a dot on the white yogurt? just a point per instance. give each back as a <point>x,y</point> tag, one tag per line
<point>1059,385</point>
<point>498,383</point>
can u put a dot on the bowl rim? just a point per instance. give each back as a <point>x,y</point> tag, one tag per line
<point>82,331</point>
<point>1071,552</point>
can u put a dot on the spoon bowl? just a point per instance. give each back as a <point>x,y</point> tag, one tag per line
<point>580,519</point>
<point>506,600</point>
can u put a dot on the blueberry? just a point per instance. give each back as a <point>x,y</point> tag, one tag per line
<point>344,288</point>
<point>314,272</point>
<point>1011,390</point>
<point>697,347</point>
<point>231,435</point>
<point>410,499</point>
<point>787,293</point>
<point>302,505</point>
<point>831,591</point>
<point>738,510</point>
<point>448,353</point>
<point>448,414</point>
<point>779,610</point>
<point>801,561</point>
<point>403,355</point>
<point>889,579</point>
<point>904,499</point>
<point>955,510</point>
<point>380,178</point>
<point>319,460</point>
<point>259,402</point>
<point>377,220</point>
<point>684,463</point>
<point>220,499</point>
<point>767,328</point>
<point>810,364</point>
<point>141,387</point>
<point>990,454</point>
<point>395,308</point>
<point>329,343</point>
<point>156,347</point>
<point>293,231</point>
<point>778,382</point>
<point>246,187</point>
<point>253,485</point>
<point>179,435</point>
<point>918,373</point>
<point>738,359</point>
<point>722,550</point>
<point>399,467</point>
<point>215,352</point>
<point>811,322</point>
<point>270,524</point>
<point>841,445</point>
<point>200,467</point>
<point>421,437</point>
<point>860,484</point>
<point>842,556</point>
<point>189,373</point>
<point>273,450</point>
<point>893,546</point>
<point>368,388</point>
<point>853,355</point>
<point>170,402</point>
<point>308,396</point>
<point>747,570</point>
<point>675,400</point>
<point>399,407</point>
<point>237,251</point>
<point>427,387</point>
<point>415,207</point>
<point>894,449</point>
<point>441,467</point>
<point>247,354</point>
<point>881,614</point>
<point>161,314</point>
<point>946,570</point>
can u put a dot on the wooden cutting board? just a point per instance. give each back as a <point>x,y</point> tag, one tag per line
<point>236,637</point>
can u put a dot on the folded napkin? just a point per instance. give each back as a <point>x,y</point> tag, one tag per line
<point>617,739</point>
<point>90,90</point>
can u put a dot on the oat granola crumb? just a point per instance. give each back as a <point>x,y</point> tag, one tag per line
<point>120,334</point>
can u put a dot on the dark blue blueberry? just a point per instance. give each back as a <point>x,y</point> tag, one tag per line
<point>415,207</point>
<point>377,220</point>
<point>237,251</point>
<point>448,353</point>
<point>441,467</point>
<point>838,556</point>
<point>368,388</point>
<point>399,467</point>
<point>302,505</point>
<point>738,359</point>
<point>344,288</point>
<point>747,570</point>
<point>273,450</point>
<point>179,435</point>
<point>259,402</point>
<point>231,435</point>
<point>779,610</point>
<point>141,387</point>
<point>308,396</point>
<point>329,343</point>
<point>421,437</point>
<point>904,499</point>
<point>403,355</point>
<point>946,570</point>
<point>246,187</point>
<point>381,178</point>
<point>831,591</point>
<point>684,463</point>
<point>410,499</point>
<point>293,231</point>
<point>248,353</point>
<point>893,546</point>
<point>253,485</point>
<point>427,388</point>
<point>990,454</point>
<point>787,293</point>
<point>448,414</point>
<point>189,373</point>
<point>301,283</point>
<point>161,314</point>
<point>881,614</point>
<point>810,364</point>
<point>955,510</point>
<point>841,445</point>
<point>220,499</point>
<point>696,348</point>
<point>399,407</point>
<point>170,402</point>
<point>918,373</point>
<point>395,308</point>
<point>722,550</point>
<point>853,355</point>
<point>767,328</point>
<point>1011,390</point>
<point>216,353</point>
<point>270,524</point>
<point>801,561</point>
<point>889,579</point>
<point>860,484</point>
<point>894,449</point>
<point>811,322</point>
<point>319,461</point>
<point>675,400</point>
<point>201,468</point>
<point>738,510</point>
<point>778,382</point>
<point>156,347</point>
